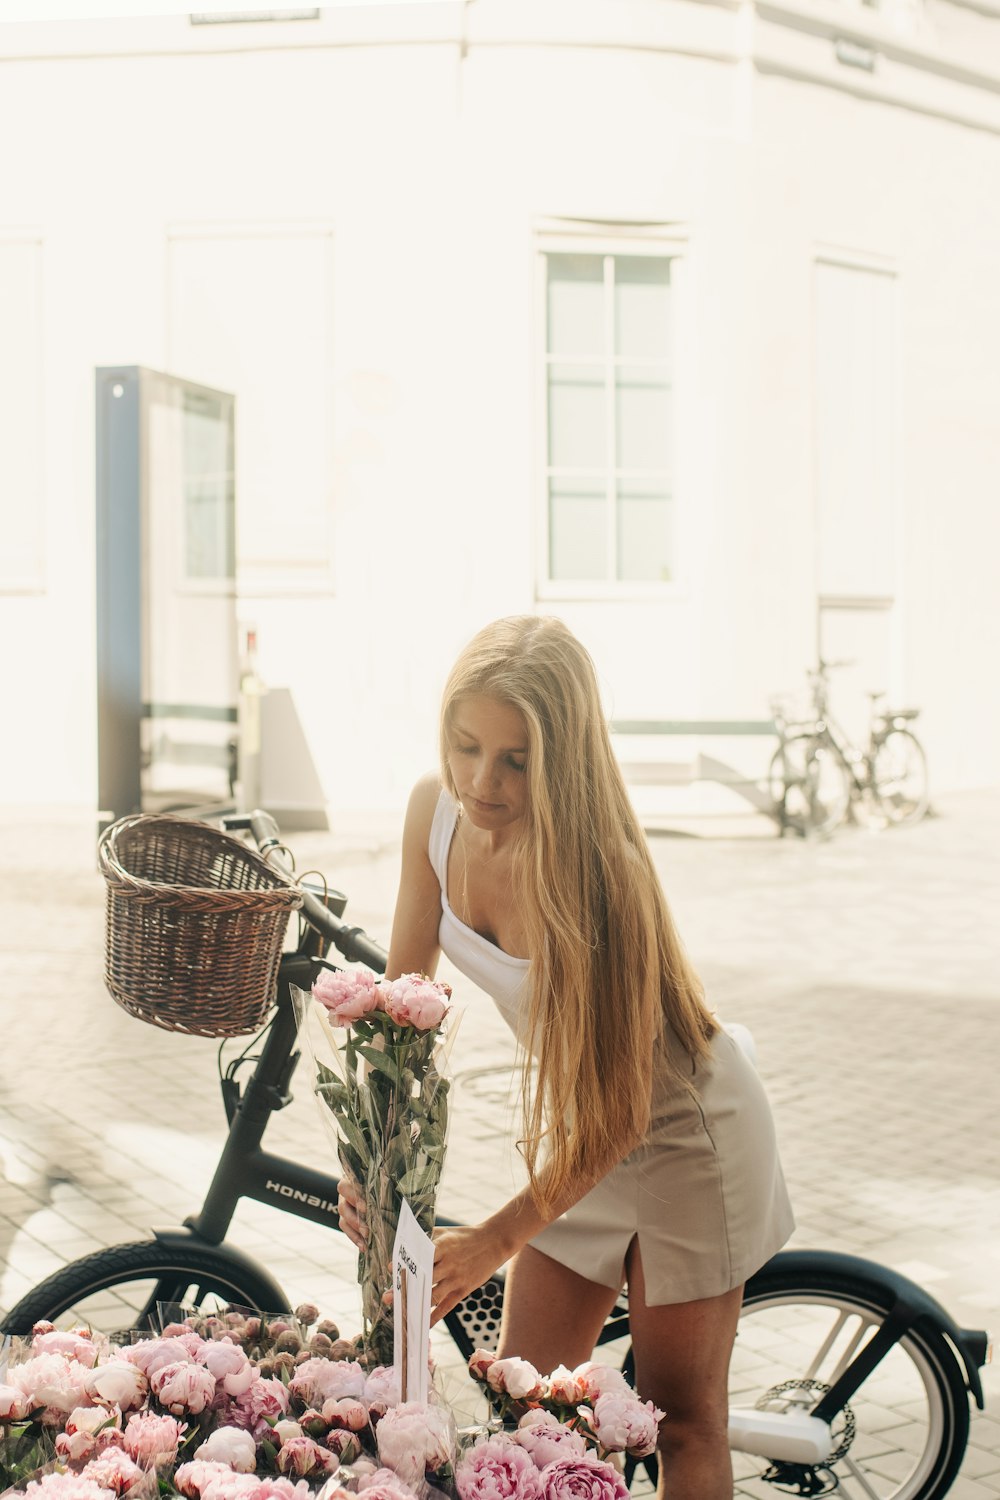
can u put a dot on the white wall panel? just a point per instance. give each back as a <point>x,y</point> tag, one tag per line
<point>855,405</point>
<point>22,518</point>
<point>250,311</point>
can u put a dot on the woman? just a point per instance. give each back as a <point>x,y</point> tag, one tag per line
<point>648,1140</point>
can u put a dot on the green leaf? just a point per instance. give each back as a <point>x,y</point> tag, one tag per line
<point>354,1137</point>
<point>419,1179</point>
<point>381,1062</point>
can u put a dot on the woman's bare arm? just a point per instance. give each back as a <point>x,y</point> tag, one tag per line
<point>414,946</point>
<point>466,1256</point>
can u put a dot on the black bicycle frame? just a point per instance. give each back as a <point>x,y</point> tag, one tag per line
<point>244,1169</point>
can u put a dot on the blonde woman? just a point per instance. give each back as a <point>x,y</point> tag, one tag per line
<point>647,1136</point>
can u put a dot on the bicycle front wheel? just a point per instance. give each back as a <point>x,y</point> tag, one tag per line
<point>899,777</point>
<point>122,1287</point>
<point>809,786</point>
<point>904,1431</point>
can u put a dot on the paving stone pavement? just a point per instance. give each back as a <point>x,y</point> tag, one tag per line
<point>866,967</point>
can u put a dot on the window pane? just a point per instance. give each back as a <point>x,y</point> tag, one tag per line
<point>578,535</point>
<point>642,415</point>
<point>642,307</point>
<point>576,304</point>
<point>644,543</point>
<point>209,541</point>
<point>577,425</point>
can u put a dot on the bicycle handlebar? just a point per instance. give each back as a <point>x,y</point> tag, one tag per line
<point>352,942</point>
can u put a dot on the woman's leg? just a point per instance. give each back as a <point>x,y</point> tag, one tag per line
<point>551,1316</point>
<point>682,1355</point>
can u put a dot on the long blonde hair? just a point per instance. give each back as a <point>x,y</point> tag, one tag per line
<point>610,980</point>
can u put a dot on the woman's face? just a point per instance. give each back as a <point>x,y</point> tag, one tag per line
<point>488,756</point>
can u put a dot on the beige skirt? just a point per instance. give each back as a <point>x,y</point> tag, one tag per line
<point>704,1195</point>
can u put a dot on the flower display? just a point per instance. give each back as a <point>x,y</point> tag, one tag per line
<point>384,1086</point>
<point>228,1407</point>
<point>588,1413</point>
<point>244,1407</point>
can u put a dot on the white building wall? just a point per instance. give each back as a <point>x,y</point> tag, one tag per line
<point>340,220</point>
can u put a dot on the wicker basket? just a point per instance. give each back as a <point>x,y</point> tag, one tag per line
<point>195,925</point>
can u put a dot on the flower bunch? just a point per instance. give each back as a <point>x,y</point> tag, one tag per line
<point>192,1413</point>
<point>384,1086</point>
<point>591,1411</point>
<point>500,1468</point>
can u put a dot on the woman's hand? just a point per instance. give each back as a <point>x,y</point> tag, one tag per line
<point>351,1210</point>
<point>464,1257</point>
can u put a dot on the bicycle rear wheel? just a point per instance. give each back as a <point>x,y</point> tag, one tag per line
<point>902,1435</point>
<point>120,1288</point>
<point>809,785</point>
<point>899,777</point>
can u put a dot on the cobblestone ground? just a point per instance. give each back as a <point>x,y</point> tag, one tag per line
<point>866,967</point>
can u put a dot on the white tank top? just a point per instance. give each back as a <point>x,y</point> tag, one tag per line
<point>500,974</point>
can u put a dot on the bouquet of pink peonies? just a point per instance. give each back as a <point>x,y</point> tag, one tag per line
<point>234,1407</point>
<point>384,1085</point>
<point>561,1431</point>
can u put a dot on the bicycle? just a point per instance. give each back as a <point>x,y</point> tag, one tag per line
<point>827,1342</point>
<point>817,776</point>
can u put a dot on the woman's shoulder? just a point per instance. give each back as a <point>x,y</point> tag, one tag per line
<point>422,806</point>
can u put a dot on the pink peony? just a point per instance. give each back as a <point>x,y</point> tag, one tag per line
<point>514,1377</point>
<point>115,1471</point>
<point>74,1345</point>
<point>151,1440</point>
<point>347,995</point>
<point>317,1381</point>
<point>346,1413</point>
<point>150,1355</point>
<point>383,1484</point>
<point>581,1478</point>
<point>414,1438</point>
<point>565,1387</point>
<point>479,1363</point>
<point>87,1431</point>
<point>53,1382</point>
<point>14,1404</point>
<point>201,1478</point>
<point>285,1430</point>
<point>624,1424</point>
<point>274,1487</point>
<point>547,1441</point>
<point>346,1445</point>
<point>496,1468</point>
<point>229,1445</point>
<point>66,1487</point>
<point>183,1388</point>
<point>414,1000</point>
<point>230,1366</point>
<point>117,1383</point>
<point>596,1379</point>
<point>264,1400</point>
<point>381,1390</point>
<point>301,1456</point>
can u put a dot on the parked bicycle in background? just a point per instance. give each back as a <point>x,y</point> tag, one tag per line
<point>818,778</point>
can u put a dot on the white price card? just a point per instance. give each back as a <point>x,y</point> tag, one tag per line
<point>412,1279</point>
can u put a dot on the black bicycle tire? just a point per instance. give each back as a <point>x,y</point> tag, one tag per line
<point>774,1281</point>
<point>920,809</point>
<point>141,1260</point>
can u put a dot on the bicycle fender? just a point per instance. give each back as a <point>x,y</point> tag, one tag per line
<point>904,1299</point>
<point>277,1300</point>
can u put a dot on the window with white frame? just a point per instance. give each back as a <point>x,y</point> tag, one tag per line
<point>609,409</point>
